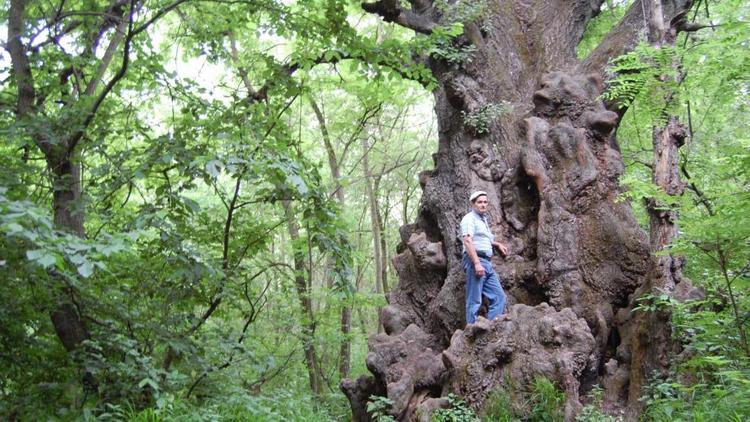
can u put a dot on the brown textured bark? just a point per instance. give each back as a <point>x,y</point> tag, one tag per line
<point>66,197</point>
<point>550,164</point>
<point>651,344</point>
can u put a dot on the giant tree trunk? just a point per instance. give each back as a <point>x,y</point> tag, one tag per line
<point>550,163</point>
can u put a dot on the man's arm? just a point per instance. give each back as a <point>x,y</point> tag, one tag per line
<point>472,252</point>
<point>500,247</point>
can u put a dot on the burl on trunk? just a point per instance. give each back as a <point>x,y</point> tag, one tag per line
<point>522,121</point>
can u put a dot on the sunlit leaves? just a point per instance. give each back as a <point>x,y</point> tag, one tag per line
<point>29,227</point>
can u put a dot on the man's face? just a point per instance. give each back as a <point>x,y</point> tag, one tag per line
<point>480,204</point>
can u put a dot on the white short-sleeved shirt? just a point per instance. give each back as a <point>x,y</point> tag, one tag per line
<point>478,227</point>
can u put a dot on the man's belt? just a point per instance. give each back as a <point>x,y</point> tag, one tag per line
<point>484,255</point>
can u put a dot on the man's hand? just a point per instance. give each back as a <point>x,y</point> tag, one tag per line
<point>479,269</point>
<point>501,248</point>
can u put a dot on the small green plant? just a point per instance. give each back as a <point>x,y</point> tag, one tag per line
<point>592,412</point>
<point>458,411</point>
<point>479,120</point>
<point>378,407</point>
<point>456,55</point>
<point>652,303</point>
<point>547,401</point>
<point>499,407</point>
<point>542,402</point>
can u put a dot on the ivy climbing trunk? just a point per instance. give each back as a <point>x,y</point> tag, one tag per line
<point>519,117</point>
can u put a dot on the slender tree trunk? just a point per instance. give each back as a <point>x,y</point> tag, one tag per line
<point>303,294</point>
<point>345,350</point>
<point>68,214</point>
<point>664,228</point>
<point>372,202</point>
<point>651,354</point>
<point>383,251</point>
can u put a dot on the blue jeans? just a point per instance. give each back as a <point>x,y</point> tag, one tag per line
<point>488,285</point>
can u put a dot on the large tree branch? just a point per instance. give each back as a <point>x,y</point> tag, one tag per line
<point>391,11</point>
<point>131,33</point>
<point>21,69</point>
<point>73,141</point>
<point>109,54</point>
<point>252,94</point>
<point>640,23</point>
<point>19,59</point>
<point>112,17</point>
<point>158,15</point>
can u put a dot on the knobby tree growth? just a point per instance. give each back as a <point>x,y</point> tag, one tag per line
<point>520,117</point>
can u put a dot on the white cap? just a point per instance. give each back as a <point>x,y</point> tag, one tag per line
<point>476,194</point>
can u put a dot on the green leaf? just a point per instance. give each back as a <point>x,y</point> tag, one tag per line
<point>86,269</point>
<point>41,257</point>
<point>214,167</point>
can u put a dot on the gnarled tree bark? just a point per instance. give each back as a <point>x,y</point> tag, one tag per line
<point>550,164</point>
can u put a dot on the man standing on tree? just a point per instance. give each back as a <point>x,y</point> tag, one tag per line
<point>481,278</point>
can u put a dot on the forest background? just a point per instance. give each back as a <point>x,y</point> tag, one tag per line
<point>235,174</point>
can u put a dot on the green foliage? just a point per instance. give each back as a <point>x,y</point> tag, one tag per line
<point>237,406</point>
<point>548,401</point>
<point>29,229</point>
<point>458,411</point>
<point>600,25</point>
<point>479,120</point>
<point>186,278</point>
<point>542,401</point>
<point>457,55</point>
<point>499,406</point>
<point>653,303</point>
<point>722,396</point>
<point>592,412</point>
<point>711,100</point>
<point>378,408</point>
<point>442,44</point>
<point>647,74</point>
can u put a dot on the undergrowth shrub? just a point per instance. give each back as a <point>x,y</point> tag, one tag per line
<point>541,402</point>
<point>724,396</point>
<point>378,408</point>
<point>458,411</point>
<point>592,412</point>
<point>278,405</point>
